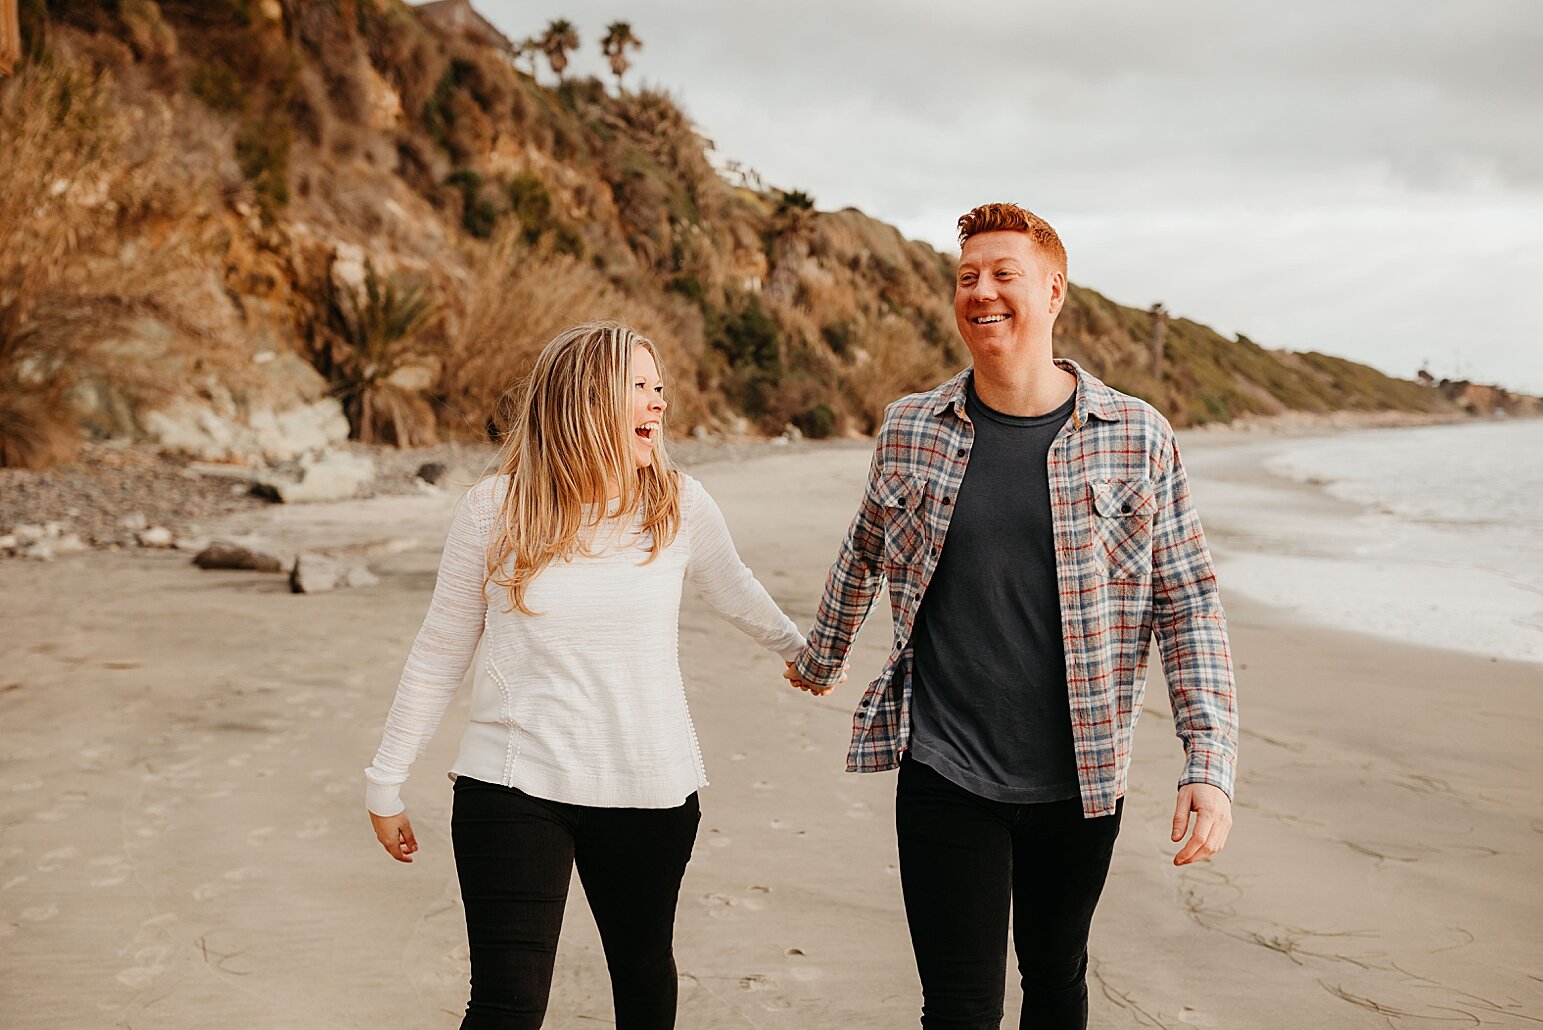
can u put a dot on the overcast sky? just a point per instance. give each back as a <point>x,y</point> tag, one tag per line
<point>1362,177</point>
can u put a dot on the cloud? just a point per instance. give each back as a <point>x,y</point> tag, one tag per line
<point>1113,118</point>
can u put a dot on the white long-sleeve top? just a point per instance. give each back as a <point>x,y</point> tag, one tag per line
<point>582,702</point>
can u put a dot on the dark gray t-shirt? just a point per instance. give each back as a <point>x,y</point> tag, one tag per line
<point>989,709</point>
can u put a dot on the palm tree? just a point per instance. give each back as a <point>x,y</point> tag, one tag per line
<point>527,50</point>
<point>560,38</point>
<point>618,37</point>
<point>1159,331</point>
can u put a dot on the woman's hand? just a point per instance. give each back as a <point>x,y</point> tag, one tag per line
<point>791,675</point>
<point>395,833</point>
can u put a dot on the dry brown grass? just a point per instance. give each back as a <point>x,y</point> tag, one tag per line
<point>517,299</point>
<point>96,233</point>
<point>890,360</point>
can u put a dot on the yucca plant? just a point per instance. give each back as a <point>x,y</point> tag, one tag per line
<point>371,333</point>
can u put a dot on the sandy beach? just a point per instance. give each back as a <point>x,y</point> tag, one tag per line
<point>185,843</point>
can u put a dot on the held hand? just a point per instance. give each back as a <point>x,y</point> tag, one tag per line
<point>1213,820</point>
<point>791,675</point>
<point>395,833</point>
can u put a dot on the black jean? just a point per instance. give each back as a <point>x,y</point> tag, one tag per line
<point>964,861</point>
<point>515,854</point>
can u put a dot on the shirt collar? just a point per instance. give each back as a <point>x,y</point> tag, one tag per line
<point>1094,399</point>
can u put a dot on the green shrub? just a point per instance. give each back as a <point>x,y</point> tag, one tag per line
<point>478,215</point>
<point>817,422</point>
<point>748,337</point>
<point>690,287</point>
<point>262,150</point>
<point>531,205</point>
<point>837,336</point>
<point>217,86</point>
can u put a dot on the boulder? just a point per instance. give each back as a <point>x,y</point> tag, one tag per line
<point>279,409</point>
<point>69,543</point>
<point>156,536</point>
<point>432,472</point>
<point>317,574</point>
<point>335,476</point>
<point>134,522</point>
<point>249,553</point>
<point>272,435</point>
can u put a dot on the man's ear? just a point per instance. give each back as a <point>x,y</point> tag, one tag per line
<point>1057,292</point>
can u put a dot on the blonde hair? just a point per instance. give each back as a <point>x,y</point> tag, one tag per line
<point>1012,218</point>
<point>569,445</point>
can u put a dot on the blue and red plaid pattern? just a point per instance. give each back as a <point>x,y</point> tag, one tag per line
<point>1131,561</point>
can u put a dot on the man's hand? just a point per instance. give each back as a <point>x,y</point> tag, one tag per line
<point>1213,819</point>
<point>395,834</point>
<point>791,675</point>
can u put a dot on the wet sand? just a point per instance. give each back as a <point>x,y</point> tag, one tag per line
<point>185,843</point>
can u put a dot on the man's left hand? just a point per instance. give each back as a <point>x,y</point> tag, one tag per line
<point>1212,810</point>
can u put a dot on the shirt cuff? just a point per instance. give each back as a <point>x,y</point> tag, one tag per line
<point>1205,765</point>
<point>794,648</point>
<point>815,672</point>
<point>383,799</point>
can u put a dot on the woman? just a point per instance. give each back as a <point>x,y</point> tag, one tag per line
<point>568,566</point>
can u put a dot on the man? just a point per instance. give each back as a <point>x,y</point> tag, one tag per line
<point>1036,530</point>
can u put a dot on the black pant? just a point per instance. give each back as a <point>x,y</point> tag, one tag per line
<point>963,861</point>
<point>515,855</point>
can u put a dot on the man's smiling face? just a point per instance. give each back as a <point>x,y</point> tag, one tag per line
<point>1006,296</point>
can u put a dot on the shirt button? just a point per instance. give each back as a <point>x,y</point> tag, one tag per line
<point>959,453</point>
<point>948,500</point>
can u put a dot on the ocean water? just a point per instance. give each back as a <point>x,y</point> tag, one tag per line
<point>1439,538</point>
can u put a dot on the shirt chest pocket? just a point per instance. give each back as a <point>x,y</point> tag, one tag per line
<point>1122,525</point>
<point>900,500</point>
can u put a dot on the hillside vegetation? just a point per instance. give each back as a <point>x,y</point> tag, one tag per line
<point>229,213</point>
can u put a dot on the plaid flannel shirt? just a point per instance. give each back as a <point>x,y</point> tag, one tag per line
<point>1130,558</point>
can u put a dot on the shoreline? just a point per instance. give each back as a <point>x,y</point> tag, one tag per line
<point>116,480</point>
<point>1292,541</point>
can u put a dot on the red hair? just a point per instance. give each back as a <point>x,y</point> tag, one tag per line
<point>1012,218</point>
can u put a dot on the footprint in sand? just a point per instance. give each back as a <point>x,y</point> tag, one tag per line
<point>39,913</point>
<point>6,929</point>
<point>54,860</point>
<point>26,785</point>
<point>754,982</point>
<point>1193,1017</point>
<point>762,785</point>
<point>152,963</point>
<point>339,787</point>
<point>313,828</point>
<point>224,885</point>
<point>258,836</point>
<point>860,810</point>
<point>117,870</point>
<point>738,756</point>
<point>14,881</point>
